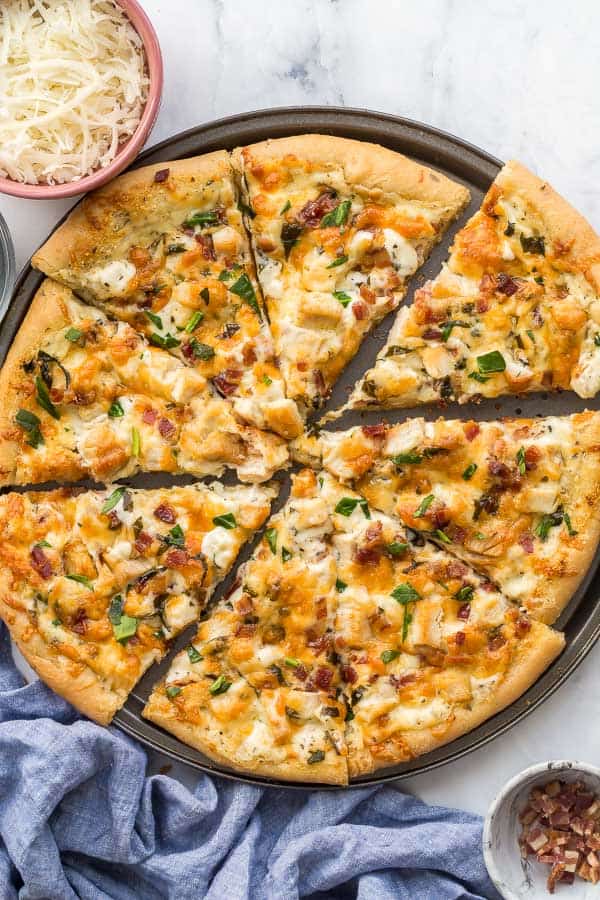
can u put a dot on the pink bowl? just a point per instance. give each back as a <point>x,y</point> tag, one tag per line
<point>130,148</point>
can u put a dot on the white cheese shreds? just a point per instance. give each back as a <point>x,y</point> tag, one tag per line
<point>73,84</point>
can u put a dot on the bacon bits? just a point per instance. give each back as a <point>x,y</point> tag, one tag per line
<point>374,431</point>
<point>165,513</point>
<point>561,828</point>
<point>526,542</point>
<point>166,428</point>
<point>360,310</point>
<point>161,176</point>
<point>506,285</point>
<point>313,211</point>
<point>40,562</point>
<point>149,416</point>
<point>176,558</point>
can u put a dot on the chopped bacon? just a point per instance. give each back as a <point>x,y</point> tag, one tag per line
<point>207,246</point>
<point>149,416</point>
<point>400,681</point>
<point>456,534</point>
<point>348,674</point>
<point>165,513</point>
<point>319,381</point>
<point>142,542</point>
<point>431,334</point>
<point>323,677</point>
<point>464,611</point>
<point>483,304</point>
<point>498,468</point>
<point>79,622</point>
<point>245,631</point>
<point>537,317</point>
<point>166,428</point>
<point>375,431</point>
<point>367,294</point>
<point>320,643</point>
<point>471,430</point>
<point>506,285</point>
<point>360,310</point>
<point>370,551</point>
<point>114,521</point>
<point>532,457</point>
<point>313,211</point>
<point>522,626</point>
<point>456,569</point>
<point>225,383</point>
<point>496,642</point>
<point>41,563</point>
<point>301,672</point>
<point>526,542</point>
<point>460,638</point>
<point>556,834</point>
<point>175,558</point>
<point>161,175</point>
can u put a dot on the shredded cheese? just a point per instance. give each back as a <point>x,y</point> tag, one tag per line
<point>73,84</point>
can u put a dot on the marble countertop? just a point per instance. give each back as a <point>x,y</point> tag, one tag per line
<point>499,75</point>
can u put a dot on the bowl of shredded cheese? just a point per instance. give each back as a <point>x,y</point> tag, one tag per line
<point>80,88</point>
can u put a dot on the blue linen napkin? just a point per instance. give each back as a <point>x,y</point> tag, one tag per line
<point>80,819</point>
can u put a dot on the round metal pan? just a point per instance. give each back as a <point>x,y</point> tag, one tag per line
<point>476,169</point>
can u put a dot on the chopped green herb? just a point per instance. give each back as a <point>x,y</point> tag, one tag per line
<point>30,423</point>
<point>227,274</point>
<point>338,261</point>
<point>172,691</point>
<point>287,205</point>
<point>476,376</point>
<point>243,288</point>
<point>547,522</point>
<point>115,610</point>
<point>205,295</point>
<point>447,327</point>
<point>491,362</point>
<point>347,505</point>
<point>530,335</point>
<point>343,297</point>
<point>156,320</point>
<point>316,756</point>
<point>115,410</point>
<point>533,244</point>
<point>338,216</point>
<point>56,622</point>
<point>135,442</point>
<point>286,554</point>
<point>509,230</point>
<point>194,321</point>
<point>193,654</point>
<point>521,464</point>
<point>42,544</point>
<point>424,506</point>
<point>340,585</point>
<point>469,471</point>
<point>396,548</point>
<point>292,662</point>
<point>126,628</point>
<point>81,579</point>
<point>405,593</point>
<point>201,351</point>
<point>220,686</point>
<point>405,459</point>
<point>465,593</point>
<point>43,398</point>
<point>442,536</point>
<point>227,520</point>
<point>271,536</point>
<point>567,521</point>
<point>112,501</point>
<point>165,343</point>
<point>389,655</point>
<point>266,380</point>
<point>203,219</point>
<point>73,334</point>
<point>290,232</point>
<point>175,537</point>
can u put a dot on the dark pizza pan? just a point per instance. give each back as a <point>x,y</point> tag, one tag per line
<point>476,169</point>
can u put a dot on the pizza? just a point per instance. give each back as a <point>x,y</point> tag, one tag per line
<point>87,396</point>
<point>164,249</point>
<point>515,309</point>
<point>338,227</point>
<point>518,499</point>
<point>347,643</point>
<point>95,584</point>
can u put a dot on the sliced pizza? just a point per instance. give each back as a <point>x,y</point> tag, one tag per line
<point>338,227</point>
<point>518,499</point>
<point>258,687</point>
<point>428,650</point>
<point>84,395</point>
<point>515,309</point>
<point>93,585</point>
<point>164,249</point>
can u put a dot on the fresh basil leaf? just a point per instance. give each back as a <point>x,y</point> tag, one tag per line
<point>30,423</point>
<point>115,410</point>
<point>491,362</point>
<point>347,505</point>
<point>338,216</point>
<point>193,654</point>
<point>43,398</point>
<point>126,628</point>
<point>227,520</point>
<point>82,579</point>
<point>405,593</point>
<point>343,297</point>
<point>271,536</point>
<point>243,288</point>
<point>73,334</point>
<point>165,343</point>
<point>112,501</point>
<point>156,320</point>
<point>220,686</point>
<point>340,585</point>
<point>465,593</point>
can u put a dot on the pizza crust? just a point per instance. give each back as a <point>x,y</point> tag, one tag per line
<point>370,168</point>
<point>159,710</point>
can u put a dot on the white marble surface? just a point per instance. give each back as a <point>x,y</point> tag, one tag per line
<point>507,76</point>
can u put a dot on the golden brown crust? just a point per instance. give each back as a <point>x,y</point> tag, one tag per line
<point>574,239</point>
<point>76,683</point>
<point>132,207</point>
<point>47,313</point>
<point>535,653</point>
<point>368,167</point>
<point>325,773</point>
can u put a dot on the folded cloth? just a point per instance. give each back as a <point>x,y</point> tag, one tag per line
<point>80,819</point>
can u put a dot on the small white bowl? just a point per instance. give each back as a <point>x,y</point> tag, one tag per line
<point>525,879</point>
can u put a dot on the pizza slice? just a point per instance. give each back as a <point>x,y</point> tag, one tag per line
<point>164,249</point>
<point>93,585</point>
<point>427,648</point>
<point>338,227</point>
<point>84,395</point>
<point>258,687</point>
<point>517,499</point>
<point>515,309</point>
